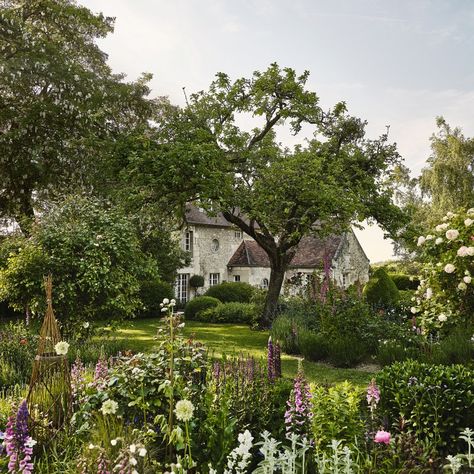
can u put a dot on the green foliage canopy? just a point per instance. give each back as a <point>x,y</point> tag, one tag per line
<point>95,258</point>
<point>273,193</point>
<point>62,111</point>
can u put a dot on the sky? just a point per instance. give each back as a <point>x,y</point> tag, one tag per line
<point>399,63</point>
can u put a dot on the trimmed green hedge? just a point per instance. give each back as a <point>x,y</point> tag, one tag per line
<point>229,313</point>
<point>228,292</point>
<point>200,303</point>
<point>404,282</point>
<point>381,290</point>
<point>435,401</point>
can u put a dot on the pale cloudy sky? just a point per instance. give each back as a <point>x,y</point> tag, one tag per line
<point>399,63</point>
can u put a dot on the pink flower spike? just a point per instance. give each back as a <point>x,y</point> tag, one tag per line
<point>382,437</point>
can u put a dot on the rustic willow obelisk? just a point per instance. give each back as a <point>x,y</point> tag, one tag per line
<point>49,396</point>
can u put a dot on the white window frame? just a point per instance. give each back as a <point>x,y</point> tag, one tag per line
<point>182,287</point>
<point>265,283</point>
<point>214,279</point>
<point>188,241</point>
<point>238,234</point>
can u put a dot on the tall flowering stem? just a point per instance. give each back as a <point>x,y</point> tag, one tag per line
<point>18,443</point>
<point>373,396</point>
<point>167,307</point>
<point>77,380</point>
<point>271,360</point>
<point>299,407</point>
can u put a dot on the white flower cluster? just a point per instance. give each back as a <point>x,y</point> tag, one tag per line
<point>167,305</point>
<point>184,410</point>
<point>239,458</point>
<point>61,348</point>
<point>109,407</point>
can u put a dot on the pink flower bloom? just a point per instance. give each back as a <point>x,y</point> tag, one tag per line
<point>382,437</point>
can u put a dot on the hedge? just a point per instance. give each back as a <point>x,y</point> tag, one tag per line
<point>229,313</point>
<point>381,290</point>
<point>228,292</point>
<point>198,304</point>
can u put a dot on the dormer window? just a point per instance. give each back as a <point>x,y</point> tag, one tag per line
<point>188,241</point>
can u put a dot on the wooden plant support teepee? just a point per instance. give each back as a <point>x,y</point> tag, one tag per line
<point>49,396</point>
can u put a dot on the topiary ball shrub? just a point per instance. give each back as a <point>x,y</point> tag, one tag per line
<point>435,401</point>
<point>229,313</point>
<point>381,290</point>
<point>200,303</point>
<point>152,293</point>
<point>196,281</point>
<point>404,282</point>
<point>228,292</point>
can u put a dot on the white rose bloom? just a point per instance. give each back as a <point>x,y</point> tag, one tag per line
<point>470,211</point>
<point>184,410</point>
<point>468,222</point>
<point>442,318</point>
<point>166,301</point>
<point>429,293</point>
<point>173,301</point>
<point>462,286</point>
<point>467,279</point>
<point>133,461</point>
<point>421,241</point>
<point>142,452</point>
<point>85,324</point>
<point>438,240</point>
<point>109,407</point>
<point>163,310</point>
<point>450,215</point>
<point>113,442</point>
<point>449,268</point>
<point>470,251</point>
<point>429,237</point>
<point>452,234</point>
<point>132,448</point>
<point>414,310</point>
<point>441,227</point>
<point>462,251</point>
<point>61,348</point>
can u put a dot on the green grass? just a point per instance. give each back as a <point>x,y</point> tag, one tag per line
<point>141,335</point>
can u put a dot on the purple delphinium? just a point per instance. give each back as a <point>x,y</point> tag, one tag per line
<point>373,395</point>
<point>18,443</point>
<point>299,412</point>
<point>271,360</point>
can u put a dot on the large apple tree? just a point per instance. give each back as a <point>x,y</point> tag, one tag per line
<point>276,194</point>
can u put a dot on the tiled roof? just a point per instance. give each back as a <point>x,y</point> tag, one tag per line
<point>193,215</point>
<point>309,253</point>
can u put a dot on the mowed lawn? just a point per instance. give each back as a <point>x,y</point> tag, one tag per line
<point>142,335</point>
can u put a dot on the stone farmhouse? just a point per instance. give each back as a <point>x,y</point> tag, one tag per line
<point>222,252</point>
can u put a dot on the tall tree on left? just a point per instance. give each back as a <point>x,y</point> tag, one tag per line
<point>62,110</point>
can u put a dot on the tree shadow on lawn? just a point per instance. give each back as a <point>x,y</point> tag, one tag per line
<point>228,339</point>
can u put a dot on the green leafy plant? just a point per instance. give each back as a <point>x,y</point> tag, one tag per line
<point>337,415</point>
<point>434,401</point>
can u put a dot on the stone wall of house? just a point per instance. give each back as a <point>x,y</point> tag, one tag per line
<point>205,258</point>
<point>351,264</point>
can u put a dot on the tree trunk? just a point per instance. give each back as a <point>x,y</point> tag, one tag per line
<point>277,275</point>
